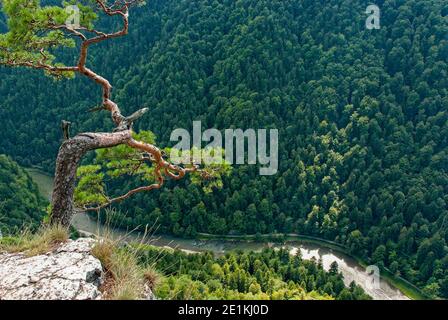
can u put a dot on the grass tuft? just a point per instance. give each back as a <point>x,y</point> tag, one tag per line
<point>103,251</point>
<point>125,277</point>
<point>152,277</point>
<point>32,244</point>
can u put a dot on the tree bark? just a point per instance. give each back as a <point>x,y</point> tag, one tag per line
<point>73,150</point>
<point>70,154</point>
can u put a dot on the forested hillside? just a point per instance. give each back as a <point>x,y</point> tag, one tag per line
<point>270,274</point>
<point>362,116</point>
<point>20,202</point>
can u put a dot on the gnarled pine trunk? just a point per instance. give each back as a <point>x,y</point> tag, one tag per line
<point>73,150</point>
<point>70,154</point>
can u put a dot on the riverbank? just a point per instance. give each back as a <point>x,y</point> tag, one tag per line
<point>349,267</point>
<point>409,289</point>
<point>221,244</point>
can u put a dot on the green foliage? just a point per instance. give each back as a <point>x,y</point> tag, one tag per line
<point>113,165</point>
<point>362,118</point>
<point>213,167</point>
<point>270,274</point>
<point>31,35</point>
<point>20,202</point>
<point>90,187</point>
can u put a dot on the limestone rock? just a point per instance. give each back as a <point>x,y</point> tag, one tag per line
<point>69,272</point>
<point>148,294</point>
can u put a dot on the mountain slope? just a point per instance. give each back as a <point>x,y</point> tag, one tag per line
<point>362,116</point>
<point>20,202</point>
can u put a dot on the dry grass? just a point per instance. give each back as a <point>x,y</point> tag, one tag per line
<point>129,283</point>
<point>151,276</point>
<point>125,278</point>
<point>32,244</point>
<point>103,251</point>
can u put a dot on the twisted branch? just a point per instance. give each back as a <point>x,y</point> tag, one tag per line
<point>162,167</point>
<point>122,132</point>
<point>156,157</point>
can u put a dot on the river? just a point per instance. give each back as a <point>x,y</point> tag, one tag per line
<point>351,270</point>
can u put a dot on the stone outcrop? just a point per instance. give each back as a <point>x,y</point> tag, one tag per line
<point>69,272</point>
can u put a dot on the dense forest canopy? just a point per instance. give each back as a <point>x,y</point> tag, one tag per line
<point>20,203</point>
<point>362,116</point>
<point>270,274</point>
